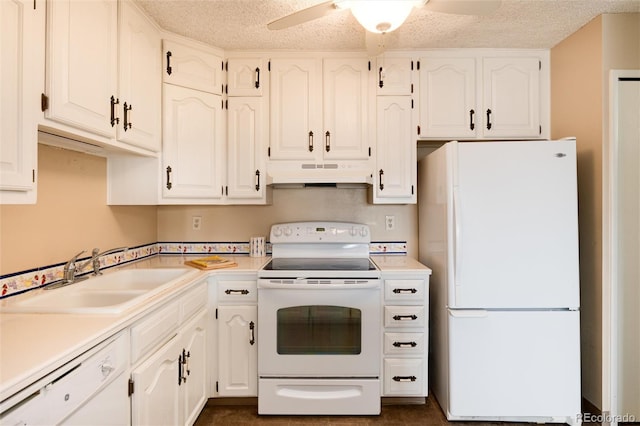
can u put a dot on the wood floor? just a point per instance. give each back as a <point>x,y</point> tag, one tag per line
<point>397,415</point>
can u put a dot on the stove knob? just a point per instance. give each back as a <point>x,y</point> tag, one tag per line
<point>353,232</point>
<point>363,232</point>
<point>287,231</point>
<point>277,231</point>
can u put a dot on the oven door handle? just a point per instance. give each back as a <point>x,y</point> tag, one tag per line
<point>304,285</point>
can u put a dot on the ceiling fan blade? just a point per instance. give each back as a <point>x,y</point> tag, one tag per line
<point>463,7</point>
<point>302,16</point>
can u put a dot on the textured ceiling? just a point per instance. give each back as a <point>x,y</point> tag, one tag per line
<point>242,24</point>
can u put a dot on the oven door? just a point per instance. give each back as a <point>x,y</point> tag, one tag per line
<point>319,330</point>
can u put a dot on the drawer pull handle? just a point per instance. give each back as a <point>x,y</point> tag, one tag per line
<point>252,327</point>
<point>405,317</point>
<point>404,344</point>
<point>230,290</point>
<point>405,290</point>
<point>404,378</point>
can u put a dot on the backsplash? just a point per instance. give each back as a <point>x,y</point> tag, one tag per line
<point>19,282</point>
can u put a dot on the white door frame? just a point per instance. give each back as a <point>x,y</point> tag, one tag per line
<point>610,296</point>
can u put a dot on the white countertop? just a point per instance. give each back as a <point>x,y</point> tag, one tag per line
<point>33,345</point>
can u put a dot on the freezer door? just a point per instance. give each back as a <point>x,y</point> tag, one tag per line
<point>515,225</point>
<point>514,364</point>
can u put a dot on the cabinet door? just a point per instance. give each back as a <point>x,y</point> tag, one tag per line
<point>21,82</point>
<point>246,148</point>
<point>156,397</point>
<point>395,176</point>
<point>237,351</point>
<point>192,66</point>
<point>82,64</point>
<point>346,110</point>
<point>295,109</point>
<point>245,76</point>
<point>511,97</point>
<point>448,98</point>
<point>393,76</point>
<point>195,368</point>
<point>139,82</point>
<point>193,133</point>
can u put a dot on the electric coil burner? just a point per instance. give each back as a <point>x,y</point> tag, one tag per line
<point>319,319</point>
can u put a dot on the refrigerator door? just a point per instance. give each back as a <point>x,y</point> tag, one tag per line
<point>514,364</point>
<point>515,225</point>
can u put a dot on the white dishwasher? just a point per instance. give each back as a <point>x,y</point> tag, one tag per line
<point>90,390</point>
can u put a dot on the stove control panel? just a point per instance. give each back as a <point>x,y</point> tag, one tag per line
<point>320,232</point>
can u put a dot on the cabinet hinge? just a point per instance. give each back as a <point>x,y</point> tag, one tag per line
<point>44,102</point>
<point>130,387</point>
<point>418,129</point>
<point>369,65</point>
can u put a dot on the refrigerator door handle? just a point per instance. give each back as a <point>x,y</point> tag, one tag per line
<point>457,235</point>
<point>469,313</point>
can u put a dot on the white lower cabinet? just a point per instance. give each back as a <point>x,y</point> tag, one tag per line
<point>405,335</point>
<point>168,386</point>
<point>236,337</point>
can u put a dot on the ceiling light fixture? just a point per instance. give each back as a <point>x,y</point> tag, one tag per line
<point>380,16</point>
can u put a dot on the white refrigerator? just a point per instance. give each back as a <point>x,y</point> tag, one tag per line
<point>498,225</point>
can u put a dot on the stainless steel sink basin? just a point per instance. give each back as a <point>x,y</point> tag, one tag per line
<point>111,293</point>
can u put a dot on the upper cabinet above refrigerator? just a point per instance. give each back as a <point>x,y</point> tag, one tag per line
<point>484,94</point>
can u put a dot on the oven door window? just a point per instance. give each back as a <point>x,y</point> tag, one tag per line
<point>319,330</point>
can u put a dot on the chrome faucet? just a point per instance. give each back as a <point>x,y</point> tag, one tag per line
<point>70,268</point>
<point>95,258</point>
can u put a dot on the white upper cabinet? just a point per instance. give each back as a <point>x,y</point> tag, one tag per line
<point>82,64</point>
<point>394,76</point>
<point>139,80</point>
<point>189,65</point>
<point>193,145</point>
<point>511,98</point>
<point>489,94</point>
<point>296,108</point>
<point>21,82</point>
<point>319,109</point>
<point>246,76</point>
<point>448,98</point>
<point>395,176</point>
<point>246,149</point>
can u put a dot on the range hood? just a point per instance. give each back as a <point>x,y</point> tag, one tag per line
<point>318,174</point>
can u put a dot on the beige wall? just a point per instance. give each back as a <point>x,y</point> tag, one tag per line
<point>239,223</point>
<point>580,66</point>
<point>71,215</point>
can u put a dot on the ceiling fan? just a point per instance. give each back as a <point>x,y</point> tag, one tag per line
<point>383,16</point>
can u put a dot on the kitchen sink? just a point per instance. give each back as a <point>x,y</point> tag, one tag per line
<point>111,293</point>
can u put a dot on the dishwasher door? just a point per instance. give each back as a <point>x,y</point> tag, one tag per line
<point>91,389</point>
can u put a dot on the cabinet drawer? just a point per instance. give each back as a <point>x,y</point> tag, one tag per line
<point>404,290</point>
<point>237,291</point>
<point>404,376</point>
<point>155,329</point>
<point>193,301</point>
<point>403,343</point>
<point>404,316</point>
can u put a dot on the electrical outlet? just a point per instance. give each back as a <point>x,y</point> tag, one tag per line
<point>389,222</point>
<point>196,223</point>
